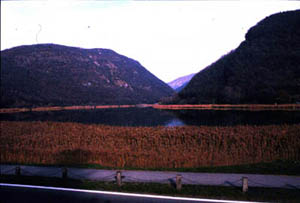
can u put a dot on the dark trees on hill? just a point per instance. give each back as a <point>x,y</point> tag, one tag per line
<point>265,68</point>
<point>49,74</point>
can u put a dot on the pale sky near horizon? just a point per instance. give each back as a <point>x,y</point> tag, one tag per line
<point>169,38</point>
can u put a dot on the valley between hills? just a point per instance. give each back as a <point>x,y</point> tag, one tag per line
<point>261,75</point>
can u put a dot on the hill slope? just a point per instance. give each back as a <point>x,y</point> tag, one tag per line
<point>179,83</point>
<point>265,68</point>
<point>49,74</point>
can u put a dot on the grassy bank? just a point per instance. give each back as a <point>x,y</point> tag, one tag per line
<point>55,143</point>
<point>247,107</point>
<point>215,192</point>
<point>61,108</point>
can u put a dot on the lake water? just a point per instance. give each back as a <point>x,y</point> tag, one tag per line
<point>156,117</point>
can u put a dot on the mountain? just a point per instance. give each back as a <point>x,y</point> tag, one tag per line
<point>49,74</point>
<point>265,68</point>
<point>179,83</point>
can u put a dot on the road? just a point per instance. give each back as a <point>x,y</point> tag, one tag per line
<point>219,179</point>
<point>22,193</point>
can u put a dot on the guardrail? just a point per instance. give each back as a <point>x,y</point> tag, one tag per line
<point>120,177</point>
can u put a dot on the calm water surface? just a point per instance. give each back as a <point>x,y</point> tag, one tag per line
<point>156,117</point>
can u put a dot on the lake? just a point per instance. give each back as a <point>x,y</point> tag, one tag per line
<point>155,117</point>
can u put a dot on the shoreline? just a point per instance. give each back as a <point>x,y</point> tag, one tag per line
<point>230,107</point>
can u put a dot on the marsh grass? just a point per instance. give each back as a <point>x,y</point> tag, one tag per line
<point>55,143</point>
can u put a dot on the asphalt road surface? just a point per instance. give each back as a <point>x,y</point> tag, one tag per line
<point>21,193</point>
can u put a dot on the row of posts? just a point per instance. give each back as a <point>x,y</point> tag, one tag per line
<point>119,178</point>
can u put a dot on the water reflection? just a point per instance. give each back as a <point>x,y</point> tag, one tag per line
<point>174,122</point>
<point>156,117</point>
<point>115,117</point>
<point>230,118</point>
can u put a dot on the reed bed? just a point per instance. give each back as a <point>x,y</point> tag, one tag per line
<point>146,147</point>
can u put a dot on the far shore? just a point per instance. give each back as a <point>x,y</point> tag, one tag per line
<point>246,107</point>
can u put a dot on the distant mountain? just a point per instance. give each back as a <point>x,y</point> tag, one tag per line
<point>179,83</point>
<point>265,68</point>
<point>49,74</point>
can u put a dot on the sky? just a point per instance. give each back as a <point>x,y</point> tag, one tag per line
<point>169,38</point>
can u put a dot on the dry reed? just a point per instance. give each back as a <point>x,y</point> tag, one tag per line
<point>146,147</point>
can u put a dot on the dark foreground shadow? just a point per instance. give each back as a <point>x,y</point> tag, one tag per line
<point>71,157</point>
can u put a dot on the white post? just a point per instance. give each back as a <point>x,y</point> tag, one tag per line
<point>178,182</point>
<point>245,184</point>
<point>119,178</point>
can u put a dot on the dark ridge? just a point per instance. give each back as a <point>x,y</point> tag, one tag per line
<point>50,74</point>
<point>265,68</point>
